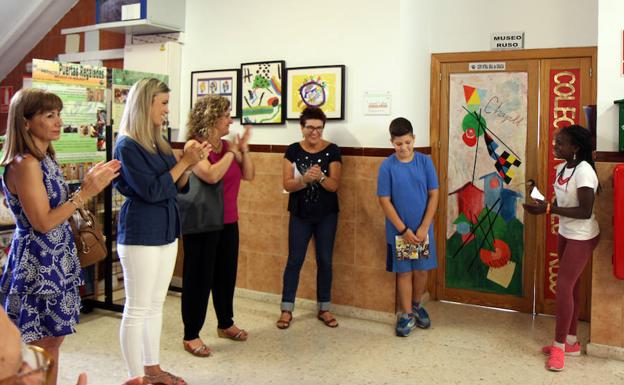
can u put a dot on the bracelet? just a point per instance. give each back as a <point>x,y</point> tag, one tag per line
<point>548,208</point>
<point>76,206</point>
<point>404,230</point>
<point>75,197</point>
<point>322,179</point>
<point>244,151</point>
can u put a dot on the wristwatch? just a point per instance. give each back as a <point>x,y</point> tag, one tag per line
<point>322,179</point>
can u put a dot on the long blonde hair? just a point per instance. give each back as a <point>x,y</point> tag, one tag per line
<point>204,115</point>
<point>25,104</point>
<point>136,120</point>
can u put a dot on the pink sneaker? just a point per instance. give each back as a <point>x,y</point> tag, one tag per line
<point>570,350</point>
<point>555,360</point>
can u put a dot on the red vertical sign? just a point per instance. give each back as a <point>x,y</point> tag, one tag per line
<point>564,110</point>
<point>6,93</point>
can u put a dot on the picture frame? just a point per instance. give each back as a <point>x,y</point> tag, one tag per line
<point>318,86</point>
<point>262,91</point>
<point>217,82</point>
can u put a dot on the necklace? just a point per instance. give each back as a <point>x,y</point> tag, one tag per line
<point>564,181</point>
<point>217,147</point>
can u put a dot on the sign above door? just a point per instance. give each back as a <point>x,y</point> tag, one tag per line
<point>506,41</point>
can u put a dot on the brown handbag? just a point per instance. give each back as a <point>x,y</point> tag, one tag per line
<point>90,242</point>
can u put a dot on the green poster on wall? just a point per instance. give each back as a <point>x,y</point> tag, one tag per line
<point>122,81</point>
<point>83,92</point>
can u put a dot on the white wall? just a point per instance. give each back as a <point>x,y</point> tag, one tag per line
<point>610,79</point>
<point>464,26</point>
<point>369,37</point>
<point>386,46</point>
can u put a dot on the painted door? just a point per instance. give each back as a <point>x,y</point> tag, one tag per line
<point>488,146</point>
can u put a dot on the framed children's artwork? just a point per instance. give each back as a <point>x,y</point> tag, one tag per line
<point>262,90</point>
<point>217,82</point>
<point>321,86</point>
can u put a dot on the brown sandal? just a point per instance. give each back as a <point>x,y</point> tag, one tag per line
<point>332,323</point>
<point>200,351</point>
<point>164,378</point>
<point>282,323</point>
<point>240,336</point>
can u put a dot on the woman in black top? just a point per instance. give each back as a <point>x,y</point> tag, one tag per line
<point>311,175</point>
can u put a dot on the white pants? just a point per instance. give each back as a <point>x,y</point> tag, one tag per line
<point>147,273</point>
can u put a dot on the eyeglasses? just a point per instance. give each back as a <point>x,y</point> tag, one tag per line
<point>314,128</point>
<point>35,370</point>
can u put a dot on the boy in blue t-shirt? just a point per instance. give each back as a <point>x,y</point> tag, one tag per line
<point>407,187</point>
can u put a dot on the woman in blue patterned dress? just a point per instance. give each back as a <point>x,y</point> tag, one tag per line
<point>41,278</point>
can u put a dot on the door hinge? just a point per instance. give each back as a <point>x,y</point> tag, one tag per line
<point>440,76</point>
<point>590,72</point>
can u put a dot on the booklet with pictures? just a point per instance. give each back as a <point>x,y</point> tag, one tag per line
<point>406,250</point>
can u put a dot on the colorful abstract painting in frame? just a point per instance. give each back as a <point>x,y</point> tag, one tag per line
<point>217,82</point>
<point>486,175</point>
<point>262,90</point>
<point>321,86</point>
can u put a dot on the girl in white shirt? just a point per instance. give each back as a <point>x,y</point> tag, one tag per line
<point>575,186</point>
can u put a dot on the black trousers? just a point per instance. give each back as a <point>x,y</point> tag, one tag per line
<point>210,264</point>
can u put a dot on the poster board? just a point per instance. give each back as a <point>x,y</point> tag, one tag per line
<point>82,89</point>
<point>122,81</point>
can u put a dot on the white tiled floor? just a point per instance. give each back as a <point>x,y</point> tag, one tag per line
<point>466,345</point>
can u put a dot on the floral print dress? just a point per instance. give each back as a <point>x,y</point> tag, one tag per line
<point>39,285</point>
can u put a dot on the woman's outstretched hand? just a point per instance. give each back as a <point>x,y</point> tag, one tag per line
<point>98,177</point>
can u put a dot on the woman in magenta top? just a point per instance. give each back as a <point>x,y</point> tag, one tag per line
<point>211,257</point>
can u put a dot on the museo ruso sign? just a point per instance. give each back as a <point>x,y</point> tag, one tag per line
<point>507,40</point>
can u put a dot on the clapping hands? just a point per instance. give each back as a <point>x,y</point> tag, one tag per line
<point>195,151</point>
<point>313,173</point>
<point>98,177</point>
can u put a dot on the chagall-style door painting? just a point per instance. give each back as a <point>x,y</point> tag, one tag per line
<point>486,182</point>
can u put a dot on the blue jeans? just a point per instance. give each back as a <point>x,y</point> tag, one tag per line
<point>299,233</point>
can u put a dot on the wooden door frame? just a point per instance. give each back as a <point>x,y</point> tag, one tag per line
<point>437,60</point>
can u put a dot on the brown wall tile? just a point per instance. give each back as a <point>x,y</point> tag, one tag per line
<point>374,289</point>
<point>367,167</point>
<point>343,285</point>
<point>264,272</point>
<point>263,232</point>
<point>267,163</point>
<point>603,205</point>
<point>344,248</point>
<point>347,198</point>
<point>241,277</point>
<point>606,321</point>
<point>349,164</point>
<point>368,210</point>
<point>263,195</point>
<point>371,246</point>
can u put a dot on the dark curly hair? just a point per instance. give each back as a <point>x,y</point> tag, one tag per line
<point>204,115</point>
<point>312,113</point>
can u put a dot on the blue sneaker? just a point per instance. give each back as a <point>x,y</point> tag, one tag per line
<point>405,324</point>
<point>422,317</point>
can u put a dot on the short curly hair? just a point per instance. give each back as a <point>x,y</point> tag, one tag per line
<point>312,113</point>
<point>204,115</point>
